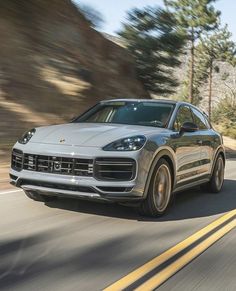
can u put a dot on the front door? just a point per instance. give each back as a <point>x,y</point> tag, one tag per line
<point>187,147</point>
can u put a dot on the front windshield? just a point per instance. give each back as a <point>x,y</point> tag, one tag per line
<point>134,113</point>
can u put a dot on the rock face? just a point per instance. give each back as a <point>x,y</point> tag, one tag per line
<point>53,65</point>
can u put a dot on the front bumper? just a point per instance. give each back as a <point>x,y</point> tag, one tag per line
<point>82,187</point>
<point>78,187</point>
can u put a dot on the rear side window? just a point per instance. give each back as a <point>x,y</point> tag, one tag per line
<point>207,121</point>
<point>184,115</point>
<point>199,119</point>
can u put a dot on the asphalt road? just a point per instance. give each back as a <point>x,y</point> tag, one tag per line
<point>77,245</point>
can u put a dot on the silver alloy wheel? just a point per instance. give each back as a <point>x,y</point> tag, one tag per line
<point>162,188</point>
<point>219,173</point>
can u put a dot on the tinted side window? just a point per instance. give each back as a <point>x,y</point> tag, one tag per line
<point>184,115</point>
<point>199,119</point>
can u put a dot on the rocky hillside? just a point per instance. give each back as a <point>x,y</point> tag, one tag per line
<point>53,65</point>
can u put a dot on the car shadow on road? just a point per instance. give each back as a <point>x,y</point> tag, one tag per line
<point>193,203</point>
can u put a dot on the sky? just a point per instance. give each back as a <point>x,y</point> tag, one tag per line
<point>114,12</point>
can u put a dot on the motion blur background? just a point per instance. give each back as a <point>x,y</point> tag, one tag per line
<point>56,61</point>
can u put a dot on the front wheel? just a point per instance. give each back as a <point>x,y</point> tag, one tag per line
<point>159,192</point>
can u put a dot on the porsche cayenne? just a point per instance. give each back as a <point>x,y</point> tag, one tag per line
<point>124,151</point>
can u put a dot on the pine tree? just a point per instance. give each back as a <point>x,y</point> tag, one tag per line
<point>214,48</point>
<point>154,42</point>
<point>194,17</point>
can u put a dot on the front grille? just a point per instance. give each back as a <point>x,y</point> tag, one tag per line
<point>58,165</point>
<point>17,160</point>
<point>105,169</point>
<point>115,169</point>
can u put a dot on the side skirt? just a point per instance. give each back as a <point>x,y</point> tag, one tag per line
<point>192,183</point>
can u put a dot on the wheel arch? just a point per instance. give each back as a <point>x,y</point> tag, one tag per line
<point>222,153</point>
<point>169,157</point>
<point>219,151</point>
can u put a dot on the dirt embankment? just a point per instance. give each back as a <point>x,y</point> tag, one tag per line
<point>53,66</point>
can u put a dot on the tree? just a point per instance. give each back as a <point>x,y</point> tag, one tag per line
<point>194,17</point>
<point>224,115</point>
<point>214,48</point>
<point>154,42</point>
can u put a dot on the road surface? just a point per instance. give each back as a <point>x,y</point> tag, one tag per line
<point>77,245</point>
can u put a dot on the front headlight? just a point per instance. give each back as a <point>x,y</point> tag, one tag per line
<point>133,143</point>
<point>27,136</point>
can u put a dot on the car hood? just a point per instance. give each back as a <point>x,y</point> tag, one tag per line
<point>89,134</point>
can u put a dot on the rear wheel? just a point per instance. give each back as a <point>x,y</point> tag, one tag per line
<point>159,192</point>
<point>39,197</point>
<point>217,179</point>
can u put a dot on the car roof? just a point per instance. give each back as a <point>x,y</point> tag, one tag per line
<point>174,102</point>
<point>146,100</point>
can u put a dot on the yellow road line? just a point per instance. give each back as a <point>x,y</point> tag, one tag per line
<point>157,261</point>
<point>169,271</point>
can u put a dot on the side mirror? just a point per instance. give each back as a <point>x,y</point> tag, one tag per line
<point>188,127</point>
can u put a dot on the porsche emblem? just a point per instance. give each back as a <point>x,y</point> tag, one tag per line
<point>62,140</point>
<point>57,166</point>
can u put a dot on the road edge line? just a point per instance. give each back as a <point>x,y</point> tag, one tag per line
<point>9,192</point>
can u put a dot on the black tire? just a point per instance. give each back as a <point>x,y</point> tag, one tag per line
<point>159,193</point>
<point>217,179</point>
<point>39,197</point>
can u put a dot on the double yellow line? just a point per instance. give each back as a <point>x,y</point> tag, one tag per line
<point>179,263</point>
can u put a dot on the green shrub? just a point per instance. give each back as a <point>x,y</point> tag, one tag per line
<point>224,116</point>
